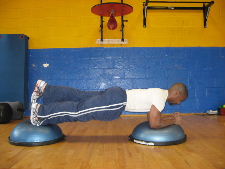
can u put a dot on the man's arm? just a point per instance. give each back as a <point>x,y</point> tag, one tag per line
<point>156,120</point>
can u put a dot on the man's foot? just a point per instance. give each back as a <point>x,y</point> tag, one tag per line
<point>38,90</point>
<point>34,114</point>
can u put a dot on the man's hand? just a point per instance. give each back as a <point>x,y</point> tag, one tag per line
<point>156,120</point>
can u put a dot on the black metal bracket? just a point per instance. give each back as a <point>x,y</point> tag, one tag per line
<point>102,26</point>
<point>205,8</point>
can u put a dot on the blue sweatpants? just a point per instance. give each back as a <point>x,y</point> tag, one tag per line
<point>65,104</point>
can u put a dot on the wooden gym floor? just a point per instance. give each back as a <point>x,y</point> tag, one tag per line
<point>105,145</point>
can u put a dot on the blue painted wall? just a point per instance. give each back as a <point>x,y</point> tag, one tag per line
<point>202,69</point>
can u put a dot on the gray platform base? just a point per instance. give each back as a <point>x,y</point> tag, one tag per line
<point>171,135</point>
<point>26,134</point>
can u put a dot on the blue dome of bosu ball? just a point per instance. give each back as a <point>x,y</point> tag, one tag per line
<point>26,134</point>
<point>169,135</point>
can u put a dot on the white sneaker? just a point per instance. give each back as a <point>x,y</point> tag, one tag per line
<point>38,90</point>
<point>34,114</point>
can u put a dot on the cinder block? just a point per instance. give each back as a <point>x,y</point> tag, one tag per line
<point>175,76</point>
<point>100,63</point>
<point>137,72</point>
<point>121,63</point>
<point>156,73</point>
<point>114,73</point>
<point>124,83</point>
<point>216,93</point>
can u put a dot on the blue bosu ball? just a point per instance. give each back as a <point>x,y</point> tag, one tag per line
<point>26,134</point>
<point>169,135</point>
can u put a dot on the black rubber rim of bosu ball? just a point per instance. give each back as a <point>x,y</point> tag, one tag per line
<point>29,144</point>
<point>131,138</point>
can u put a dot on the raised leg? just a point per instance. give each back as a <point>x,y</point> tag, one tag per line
<point>60,94</point>
<point>106,106</point>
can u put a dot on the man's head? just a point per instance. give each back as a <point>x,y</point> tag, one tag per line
<point>177,93</point>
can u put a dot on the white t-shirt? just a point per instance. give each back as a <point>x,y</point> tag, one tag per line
<point>141,100</point>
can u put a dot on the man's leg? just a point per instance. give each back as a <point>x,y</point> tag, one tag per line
<point>61,93</point>
<point>107,105</point>
<point>50,94</point>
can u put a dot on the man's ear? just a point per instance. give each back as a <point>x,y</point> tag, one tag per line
<point>176,93</point>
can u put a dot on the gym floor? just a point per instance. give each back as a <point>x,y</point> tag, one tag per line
<point>97,145</point>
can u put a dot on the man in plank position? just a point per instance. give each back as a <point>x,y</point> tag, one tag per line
<point>65,104</point>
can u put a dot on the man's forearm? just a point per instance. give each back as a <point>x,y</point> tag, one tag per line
<point>157,120</point>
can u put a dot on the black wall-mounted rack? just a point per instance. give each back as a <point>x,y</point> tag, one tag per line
<point>205,8</point>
